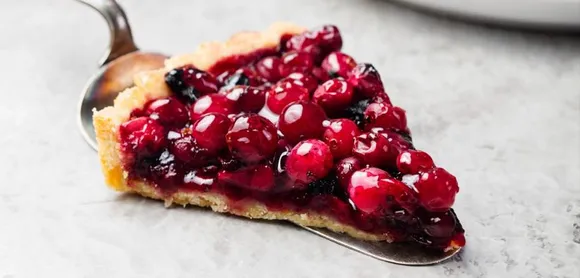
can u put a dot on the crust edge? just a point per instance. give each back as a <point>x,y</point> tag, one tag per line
<point>150,85</point>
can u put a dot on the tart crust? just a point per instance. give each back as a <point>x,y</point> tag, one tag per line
<point>151,85</point>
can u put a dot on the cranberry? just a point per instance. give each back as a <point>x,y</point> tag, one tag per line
<point>386,116</point>
<point>210,131</point>
<point>321,75</point>
<point>308,161</point>
<point>249,99</point>
<point>365,191</point>
<point>296,62</point>
<point>338,63</point>
<point>399,195</point>
<point>166,172</point>
<point>187,150</point>
<point>212,103</point>
<point>436,189</point>
<point>303,79</point>
<point>326,38</point>
<point>379,149</point>
<point>437,224</point>
<point>271,68</point>
<point>301,120</point>
<point>258,177</point>
<point>414,162</point>
<point>344,169</point>
<point>334,95</point>
<point>252,138</point>
<point>168,111</point>
<point>366,80</point>
<point>339,135</point>
<point>284,93</point>
<point>191,83</point>
<point>142,136</point>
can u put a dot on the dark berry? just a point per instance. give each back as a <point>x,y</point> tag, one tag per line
<point>385,116</point>
<point>339,136</point>
<point>210,131</point>
<point>333,96</point>
<point>258,178</point>
<point>355,112</point>
<point>414,162</point>
<point>248,99</point>
<point>191,83</point>
<point>308,161</point>
<point>169,112</point>
<point>214,103</point>
<point>142,136</point>
<point>366,80</point>
<point>338,64</point>
<point>437,189</point>
<point>243,76</point>
<point>379,149</point>
<point>344,169</point>
<point>301,120</point>
<point>252,138</point>
<point>437,224</point>
<point>284,93</point>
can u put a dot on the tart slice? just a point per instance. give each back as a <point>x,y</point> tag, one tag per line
<point>279,125</point>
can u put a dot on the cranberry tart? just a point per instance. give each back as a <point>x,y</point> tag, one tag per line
<point>280,125</point>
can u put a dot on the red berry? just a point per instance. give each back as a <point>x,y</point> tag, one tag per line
<point>414,162</point>
<point>379,149</point>
<point>338,63</point>
<point>364,189</point>
<point>385,116</point>
<point>142,136</point>
<point>258,178</point>
<point>191,83</point>
<point>321,75</point>
<point>437,224</point>
<point>294,61</point>
<point>210,131</point>
<point>303,79</point>
<point>366,80</point>
<point>252,138</point>
<point>212,103</point>
<point>436,189</point>
<point>187,150</point>
<point>249,99</point>
<point>333,96</point>
<point>284,93</point>
<point>324,39</point>
<point>301,120</point>
<point>308,161</point>
<point>339,136</point>
<point>271,68</point>
<point>344,169</point>
<point>169,112</point>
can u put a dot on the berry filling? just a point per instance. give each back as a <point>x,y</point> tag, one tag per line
<point>302,128</point>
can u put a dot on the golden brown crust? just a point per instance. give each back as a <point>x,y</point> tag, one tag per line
<point>150,85</point>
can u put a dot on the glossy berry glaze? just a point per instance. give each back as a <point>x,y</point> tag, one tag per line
<point>301,127</point>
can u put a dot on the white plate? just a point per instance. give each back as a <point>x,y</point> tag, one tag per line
<point>537,13</point>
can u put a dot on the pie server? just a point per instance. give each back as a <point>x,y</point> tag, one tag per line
<point>123,59</point>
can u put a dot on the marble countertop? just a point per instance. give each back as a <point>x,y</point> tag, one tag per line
<point>499,109</point>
